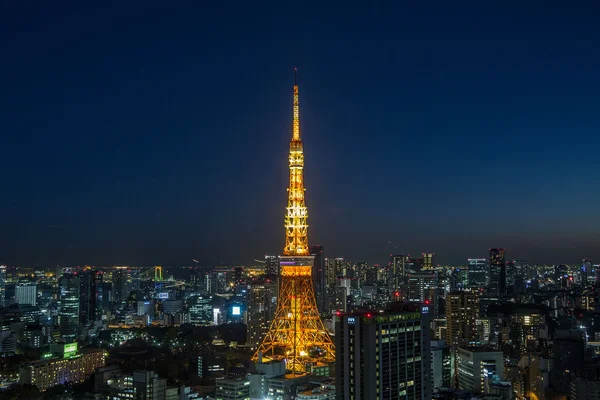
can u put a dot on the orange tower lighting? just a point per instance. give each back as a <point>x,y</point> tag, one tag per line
<point>297,334</point>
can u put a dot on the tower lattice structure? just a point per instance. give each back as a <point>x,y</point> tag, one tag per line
<point>297,334</point>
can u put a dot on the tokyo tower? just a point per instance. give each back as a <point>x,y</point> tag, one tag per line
<point>297,334</point>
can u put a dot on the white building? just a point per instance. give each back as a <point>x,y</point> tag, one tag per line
<point>476,366</point>
<point>26,293</point>
<point>233,389</point>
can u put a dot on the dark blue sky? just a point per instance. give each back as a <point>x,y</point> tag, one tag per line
<point>149,132</point>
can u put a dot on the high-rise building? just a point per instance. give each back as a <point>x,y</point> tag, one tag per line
<point>2,285</point>
<point>427,261</point>
<point>525,326</point>
<point>413,265</point>
<point>459,278</point>
<point>201,310</point>
<point>383,355</point>
<point>91,281</point>
<point>478,272</point>
<point>462,309</point>
<point>442,365</point>
<point>397,272</point>
<point>73,367</point>
<point>319,279</point>
<point>419,285</point>
<point>568,350</point>
<point>511,275</point>
<point>297,334</point>
<point>334,269</point>
<point>148,385</point>
<point>587,272</point>
<point>69,286</point>
<point>497,275</point>
<point>262,303</point>
<point>121,285</point>
<point>476,365</point>
<point>585,389</point>
<point>233,389</point>
<point>272,265</point>
<point>26,293</point>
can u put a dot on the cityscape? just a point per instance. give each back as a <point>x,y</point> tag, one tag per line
<point>304,320</point>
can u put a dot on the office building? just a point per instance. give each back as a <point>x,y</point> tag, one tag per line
<point>587,271</point>
<point>427,261</point>
<point>272,265</point>
<point>26,293</point>
<point>420,285</point>
<point>121,285</point>
<point>383,355</point>
<point>442,365</point>
<point>568,349</point>
<point>324,392</point>
<point>69,286</point>
<point>91,283</point>
<point>525,326</point>
<point>285,387</point>
<point>334,270</point>
<point>397,272</point>
<point>478,271</point>
<point>497,274</point>
<point>232,389</point>
<point>511,275</point>
<point>201,310</point>
<point>413,265</point>
<point>459,279</point>
<point>478,366</point>
<point>319,278</point>
<point>147,385</point>
<point>462,309</point>
<point>262,304</point>
<point>72,366</point>
<point>2,285</point>
<point>583,389</point>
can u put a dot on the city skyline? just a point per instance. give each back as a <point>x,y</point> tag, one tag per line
<point>133,147</point>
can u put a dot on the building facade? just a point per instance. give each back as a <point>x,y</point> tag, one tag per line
<point>262,304</point>
<point>383,355</point>
<point>26,293</point>
<point>69,291</point>
<point>319,278</point>
<point>50,372</point>
<point>233,389</point>
<point>497,274</point>
<point>476,367</point>
<point>462,309</point>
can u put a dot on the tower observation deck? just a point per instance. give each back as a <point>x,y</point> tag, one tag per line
<point>297,334</point>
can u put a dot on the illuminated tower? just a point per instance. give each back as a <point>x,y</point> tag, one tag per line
<point>297,334</point>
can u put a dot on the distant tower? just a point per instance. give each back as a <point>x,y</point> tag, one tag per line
<point>319,281</point>
<point>462,309</point>
<point>497,265</point>
<point>397,272</point>
<point>478,273</point>
<point>2,285</point>
<point>91,282</point>
<point>69,291</point>
<point>586,271</point>
<point>261,309</point>
<point>427,260</point>
<point>297,334</point>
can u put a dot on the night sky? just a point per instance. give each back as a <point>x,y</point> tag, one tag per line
<point>154,133</point>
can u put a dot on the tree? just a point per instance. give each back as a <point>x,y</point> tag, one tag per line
<point>21,392</point>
